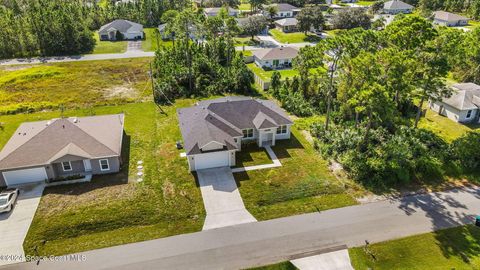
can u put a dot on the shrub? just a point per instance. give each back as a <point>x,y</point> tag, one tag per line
<point>466,151</point>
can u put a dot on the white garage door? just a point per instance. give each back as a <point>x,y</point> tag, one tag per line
<point>25,176</point>
<point>212,160</point>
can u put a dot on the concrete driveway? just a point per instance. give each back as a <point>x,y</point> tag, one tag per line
<point>337,260</point>
<point>15,224</point>
<point>134,46</point>
<point>221,198</point>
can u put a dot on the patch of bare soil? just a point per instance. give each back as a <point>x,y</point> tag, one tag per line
<point>16,67</point>
<point>122,91</point>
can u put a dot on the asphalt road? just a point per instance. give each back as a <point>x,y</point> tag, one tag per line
<point>259,243</point>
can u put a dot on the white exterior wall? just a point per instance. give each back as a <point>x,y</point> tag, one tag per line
<point>451,23</point>
<point>132,35</point>
<point>397,11</point>
<point>269,63</point>
<point>284,136</point>
<point>453,113</point>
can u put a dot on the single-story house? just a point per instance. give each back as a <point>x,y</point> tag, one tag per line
<point>61,148</point>
<point>212,12</point>
<point>128,29</point>
<point>283,10</point>
<point>280,57</point>
<point>396,7</point>
<point>214,130</point>
<point>449,19</point>
<point>463,106</point>
<point>287,25</point>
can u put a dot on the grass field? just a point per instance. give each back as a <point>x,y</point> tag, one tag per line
<point>297,37</point>
<point>28,88</point>
<point>444,127</point>
<point>109,46</point>
<point>151,42</point>
<point>278,266</point>
<point>266,75</point>
<point>303,184</point>
<point>109,210</point>
<point>365,3</point>
<point>473,24</point>
<point>457,248</point>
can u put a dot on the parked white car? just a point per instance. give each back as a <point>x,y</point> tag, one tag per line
<point>8,199</point>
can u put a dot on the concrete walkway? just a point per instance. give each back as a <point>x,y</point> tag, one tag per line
<point>15,224</point>
<point>337,260</point>
<point>221,198</point>
<point>283,239</point>
<point>134,46</point>
<point>276,163</point>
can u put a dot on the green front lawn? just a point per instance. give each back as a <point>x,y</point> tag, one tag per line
<point>302,184</point>
<point>244,7</point>
<point>153,40</point>
<point>109,210</point>
<point>456,248</point>
<point>297,37</point>
<point>365,3</point>
<point>278,266</point>
<point>102,47</point>
<point>444,127</point>
<point>252,155</point>
<point>266,75</point>
<point>73,84</point>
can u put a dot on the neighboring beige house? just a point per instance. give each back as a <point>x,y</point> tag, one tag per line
<point>276,58</point>
<point>396,7</point>
<point>128,29</point>
<point>62,148</point>
<point>214,130</point>
<point>212,12</point>
<point>287,25</point>
<point>462,106</point>
<point>283,10</point>
<point>449,19</point>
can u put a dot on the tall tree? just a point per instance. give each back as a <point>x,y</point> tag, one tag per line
<point>310,17</point>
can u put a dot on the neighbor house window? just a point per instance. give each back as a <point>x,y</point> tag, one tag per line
<point>67,166</point>
<point>469,114</point>
<point>104,166</point>
<point>248,133</point>
<point>282,130</point>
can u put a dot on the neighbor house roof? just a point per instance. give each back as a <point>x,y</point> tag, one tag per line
<point>287,22</point>
<point>396,4</point>
<point>215,10</point>
<point>449,17</point>
<point>466,96</point>
<point>282,7</point>
<point>223,119</point>
<point>43,142</point>
<point>123,26</point>
<point>276,53</point>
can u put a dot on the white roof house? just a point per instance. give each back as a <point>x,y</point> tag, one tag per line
<point>396,7</point>
<point>463,106</point>
<point>449,19</point>
<point>280,57</point>
<point>212,12</point>
<point>128,29</point>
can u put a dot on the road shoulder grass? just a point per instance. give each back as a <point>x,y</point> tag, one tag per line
<point>455,248</point>
<point>103,47</point>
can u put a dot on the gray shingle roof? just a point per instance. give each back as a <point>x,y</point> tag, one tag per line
<point>282,7</point>
<point>223,119</point>
<point>123,26</point>
<point>466,96</point>
<point>449,17</point>
<point>287,22</point>
<point>396,4</point>
<point>276,53</point>
<point>40,143</point>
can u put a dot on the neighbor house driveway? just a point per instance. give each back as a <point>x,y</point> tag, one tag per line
<point>14,225</point>
<point>221,198</point>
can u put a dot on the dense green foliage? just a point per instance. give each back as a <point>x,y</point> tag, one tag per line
<point>351,18</point>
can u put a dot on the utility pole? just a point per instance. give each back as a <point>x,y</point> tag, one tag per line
<point>153,88</point>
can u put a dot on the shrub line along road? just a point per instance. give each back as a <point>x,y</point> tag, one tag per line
<point>260,243</point>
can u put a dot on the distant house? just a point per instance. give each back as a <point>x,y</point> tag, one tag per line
<point>396,7</point>
<point>463,106</point>
<point>61,149</point>
<point>287,25</point>
<point>213,131</point>
<point>129,30</point>
<point>212,12</point>
<point>275,58</point>
<point>449,19</point>
<point>283,10</point>
<point>162,29</point>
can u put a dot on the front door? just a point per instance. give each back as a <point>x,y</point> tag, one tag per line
<point>88,165</point>
<point>275,63</point>
<point>267,139</point>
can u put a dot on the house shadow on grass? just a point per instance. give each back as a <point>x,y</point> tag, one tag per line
<point>282,146</point>
<point>99,181</point>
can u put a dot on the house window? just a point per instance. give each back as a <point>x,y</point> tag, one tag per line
<point>282,129</point>
<point>67,166</point>
<point>469,114</point>
<point>247,133</point>
<point>104,166</point>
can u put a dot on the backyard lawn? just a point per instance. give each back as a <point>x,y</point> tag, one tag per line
<point>303,184</point>
<point>109,46</point>
<point>266,75</point>
<point>473,24</point>
<point>365,3</point>
<point>456,248</point>
<point>297,37</point>
<point>115,209</point>
<point>152,42</point>
<point>73,85</point>
<point>444,127</point>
